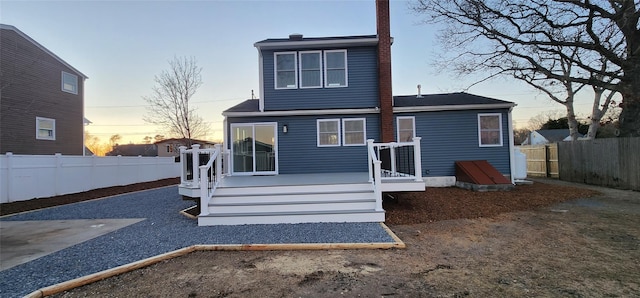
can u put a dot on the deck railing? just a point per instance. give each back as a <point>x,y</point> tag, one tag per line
<point>190,162</point>
<point>210,174</point>
<point>398,160</point>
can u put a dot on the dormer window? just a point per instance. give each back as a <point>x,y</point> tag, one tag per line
<point>311,69</point>
<point>335,72</point>
<point>285,68</point>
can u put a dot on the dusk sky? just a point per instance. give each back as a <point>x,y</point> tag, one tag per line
<point>122,45</point>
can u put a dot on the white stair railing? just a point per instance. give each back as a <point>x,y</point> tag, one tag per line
<point>375,172</point>
<point>190,161</point>
<point>210,174</point>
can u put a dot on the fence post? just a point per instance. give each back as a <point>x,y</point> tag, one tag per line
<point>195,157</point>
<point>547,162</point>
<point>9,176</point>
<point>58,156</point>
<point>417,158</point>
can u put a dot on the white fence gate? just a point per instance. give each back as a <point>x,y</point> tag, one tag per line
<point>24,177</point>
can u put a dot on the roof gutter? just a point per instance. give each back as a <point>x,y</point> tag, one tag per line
<point>302,112</point>
<point>315,43</point>
<point>453,107</point>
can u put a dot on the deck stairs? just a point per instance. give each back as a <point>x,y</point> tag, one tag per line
<point>269,204</point>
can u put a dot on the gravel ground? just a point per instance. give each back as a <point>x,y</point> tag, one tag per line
<point>163,230</point>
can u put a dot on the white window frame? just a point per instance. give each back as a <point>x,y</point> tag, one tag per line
<point>364,131</point>
<point>74,84</point>
<point>295,69</point>
<point>413,127</point>
<point>338,134</point>
<point>319,68</point>
<point>346,69</point>
<point>52,137</point>
<point>480,130</point>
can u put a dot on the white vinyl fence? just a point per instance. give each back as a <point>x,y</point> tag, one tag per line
<point>24,177</point>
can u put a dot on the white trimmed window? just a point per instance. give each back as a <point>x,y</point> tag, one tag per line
<point>285,70</point>
<point>328,132</point>
<point>311,69</point>
<point>406,128</point>
<point>354,132</point>
<point>69,83</point>
<point>335,70</point>
<point>45,129</point>
<point>490,130</point>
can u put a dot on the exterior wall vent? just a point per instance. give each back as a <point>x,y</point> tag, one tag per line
<point>295,36</point>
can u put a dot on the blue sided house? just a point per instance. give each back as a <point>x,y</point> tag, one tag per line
<point>326,137</point>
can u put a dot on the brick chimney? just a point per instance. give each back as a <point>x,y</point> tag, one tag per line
<point>384,70</point>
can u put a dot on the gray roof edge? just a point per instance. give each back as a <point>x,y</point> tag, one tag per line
<point>25,36</point>
<point>274,45</point>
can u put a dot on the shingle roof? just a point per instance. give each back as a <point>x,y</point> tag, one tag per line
<point>249,105</point>
<point>554,135</point>
<point>458,98</point>
<point>333,38</point>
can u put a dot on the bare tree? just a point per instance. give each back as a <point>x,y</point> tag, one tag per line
<point>169,104</point>
<point>599,39</point>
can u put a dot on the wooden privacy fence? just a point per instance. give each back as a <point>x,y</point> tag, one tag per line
<point>607,162</point>
<point>542,160</point>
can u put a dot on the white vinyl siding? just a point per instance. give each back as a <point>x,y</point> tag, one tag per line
<point>328,132</point>
<point>69,83</point>
<point>405,128</point>
<point>45,129</point>
<point>311,69</point>
<point>335,70</point>
<point>354,132</point>
<point>490,130</point>
<point>286,70</point>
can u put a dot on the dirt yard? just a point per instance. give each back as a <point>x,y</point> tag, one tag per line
<point>527,243</point>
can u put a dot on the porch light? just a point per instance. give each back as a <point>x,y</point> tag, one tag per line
<point>285,129</point>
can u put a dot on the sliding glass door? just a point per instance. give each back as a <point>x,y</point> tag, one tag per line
<point>254,148</point>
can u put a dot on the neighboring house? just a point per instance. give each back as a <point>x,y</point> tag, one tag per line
<point>546,136</point>
<point>134,150</point>
<point>171,147</point>
<point>42,98</point>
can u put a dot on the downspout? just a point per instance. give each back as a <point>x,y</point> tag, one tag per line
<point>261,86</point>
<point>512,160</point>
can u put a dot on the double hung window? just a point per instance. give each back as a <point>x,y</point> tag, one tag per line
<point>69,83</point>
<point>490,130</point>
<point>328,132</point>
<point>310,69</point>
<point>285,70</point>
<point>45,129</point>
<point>354,132</point>
<point>405,128</point>
<point>335,71</point>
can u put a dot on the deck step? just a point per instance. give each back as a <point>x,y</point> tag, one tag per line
<point>293,206</point>
<point>299,189</point>
<point>360,215</point>
<point>267,198</point>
